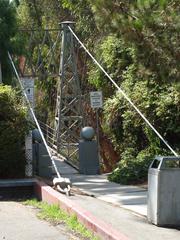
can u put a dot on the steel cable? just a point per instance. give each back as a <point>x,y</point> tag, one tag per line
<point>34,116</point>
<point>124,94</point>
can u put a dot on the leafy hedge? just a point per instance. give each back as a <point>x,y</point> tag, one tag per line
<point>134,140</point>
<point>159,101</point>
<point>132,169</point>
<point>13,128</point>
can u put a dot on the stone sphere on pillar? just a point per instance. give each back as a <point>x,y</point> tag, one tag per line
<point>87,133</point>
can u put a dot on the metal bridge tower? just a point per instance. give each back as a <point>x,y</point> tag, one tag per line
<point>69,113</point>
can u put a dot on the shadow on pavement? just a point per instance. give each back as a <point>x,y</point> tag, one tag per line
<point>16,193</point>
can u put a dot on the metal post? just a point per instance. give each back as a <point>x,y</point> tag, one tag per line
<point>97,131</point>
<point>69,114</point>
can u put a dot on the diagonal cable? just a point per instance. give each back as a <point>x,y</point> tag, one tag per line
<point>34,116</point>
<point>124,94</point>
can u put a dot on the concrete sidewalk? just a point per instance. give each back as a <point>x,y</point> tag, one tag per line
<point>129,197</point>
<point>122,207</point>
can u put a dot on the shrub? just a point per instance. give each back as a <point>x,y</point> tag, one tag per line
<point>132,169</point>
<point>134,140</point>
<point>13,128</point>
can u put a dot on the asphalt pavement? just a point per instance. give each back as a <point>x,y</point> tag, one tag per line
<point>20,222</point>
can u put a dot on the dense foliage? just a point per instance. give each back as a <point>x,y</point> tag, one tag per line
<point>142,53</point>
<point>13,127</point>
<point>137,42</point>
<point>8,39</point>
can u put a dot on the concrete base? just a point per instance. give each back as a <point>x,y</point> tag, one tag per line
<point>16,189</point>
<point>17,182</point>
<point>88,158</point>
<point>42,161</point>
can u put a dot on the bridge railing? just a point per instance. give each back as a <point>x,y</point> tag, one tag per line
<point>49,134</point>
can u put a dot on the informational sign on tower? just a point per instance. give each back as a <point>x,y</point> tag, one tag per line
<point>96,99</point>
<point>28,84</point>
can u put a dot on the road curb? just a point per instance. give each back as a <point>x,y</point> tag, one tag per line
<point>102,229</point>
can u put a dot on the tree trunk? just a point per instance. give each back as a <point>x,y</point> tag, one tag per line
<point>0,74</point>
<point>107,152</point>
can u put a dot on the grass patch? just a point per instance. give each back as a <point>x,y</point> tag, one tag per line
<point>56,215</point>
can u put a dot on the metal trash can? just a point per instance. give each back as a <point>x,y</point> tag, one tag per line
<point>163,208</point>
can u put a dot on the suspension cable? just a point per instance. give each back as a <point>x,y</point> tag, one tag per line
<point>34,116</point>
<point>124,94</point>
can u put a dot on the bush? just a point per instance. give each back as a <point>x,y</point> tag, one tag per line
<point>13,128</point>
<point>134,140</point>
<point>132,168</point>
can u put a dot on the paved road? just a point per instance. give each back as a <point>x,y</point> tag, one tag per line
<point>19,222</point>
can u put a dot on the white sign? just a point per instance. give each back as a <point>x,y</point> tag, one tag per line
<point>28,84</point>
<point>96,99</point>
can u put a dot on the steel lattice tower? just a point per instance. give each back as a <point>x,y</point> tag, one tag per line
<point>69,113</point>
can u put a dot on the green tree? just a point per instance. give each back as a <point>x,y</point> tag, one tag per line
<point>8,26</point>
<point>13,128</point>
<point>151,27</point>
<point>141,52</point>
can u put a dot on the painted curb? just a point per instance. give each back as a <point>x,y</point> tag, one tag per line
<point>100,228</point>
